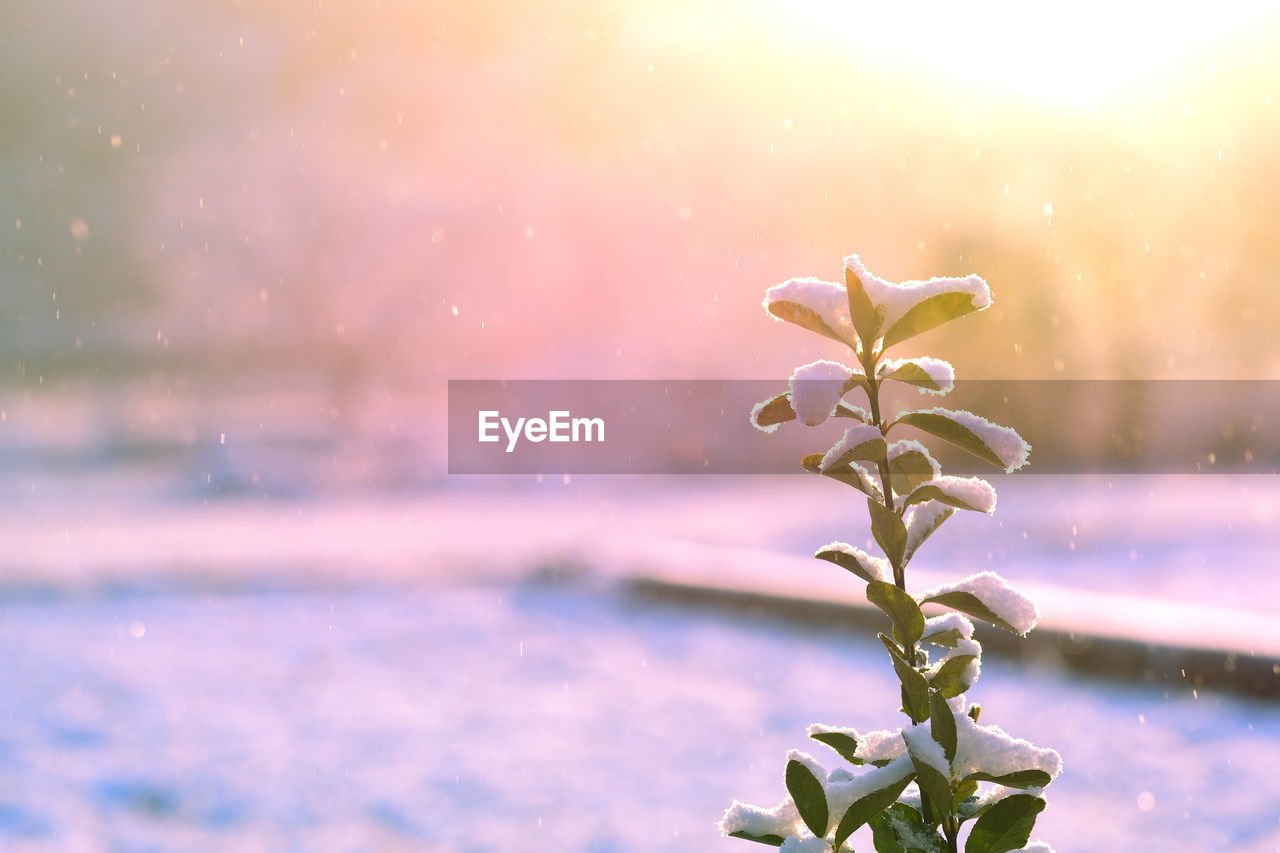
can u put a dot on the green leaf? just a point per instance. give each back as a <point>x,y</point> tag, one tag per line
<point>845,745</point>
<point>967,602</point>
<point>915,691</point>
<point>951,432</point>
<point>909,470</point>
<point>1005,825</point>
<point>974,712</point>
<point>866,318</point>
<point>900,829</point>
<point>841,473</point>
<point>894,651</point>
<point>868,807</point>
<point>949,680</point>
<point>929,314</point>
<point>946,639</point>
<point>871,450</point>
<point>913,374</point>
<point>771,840</point>
<point>844,410</point>
<point>898,606</point>
<point>776,411</point>
<point>889,531</point>
<point>964,790</point>
<point>848,562</point>
<point>942,724</point>
<point>801,315</point>
<point>933,493</point>
<point>809,796</point>
<point>935,788</point>
<point>1019,779</point>
<point>917,537</point>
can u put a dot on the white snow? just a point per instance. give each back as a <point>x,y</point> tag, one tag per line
<point>830,301</point>
<point>922,519</point>
<point>877,566</point>
<point>853,436</point>
<point>989,749</point>
<point>949,621</point>
<point>816,389</point>
<point>1004,441</point>
<point>882,745</point>
<point>1034,847</point>
<point>973,491</point>
<point>822,728</point>
<point>814,765</point>
<point>844,793</point>
<point>810,844</point>
<point>895,300</point>
<point>926,750</point>
<point>941,372</point>
<point>782,819</point>
<point>1003,600</point>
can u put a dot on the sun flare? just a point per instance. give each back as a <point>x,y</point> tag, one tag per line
<point>1078,54</point>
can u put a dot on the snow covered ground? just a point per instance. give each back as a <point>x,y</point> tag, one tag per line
<point>526,717</point>
<point>387,673</point>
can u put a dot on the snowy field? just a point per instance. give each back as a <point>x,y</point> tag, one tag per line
<point>526,717</point>
<point>389,674</point>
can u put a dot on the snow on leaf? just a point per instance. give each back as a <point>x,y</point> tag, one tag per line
<point>855,560</point>
<point>768,415</point>
<point>820,306</point>
<point>860,441</point>
<point>781,820</point>
<point>930,375</point>
<point>999,445</point>
<point>909,308</point>
<point>972,493</point>
<point>816,389</point>
<point>989,597</point>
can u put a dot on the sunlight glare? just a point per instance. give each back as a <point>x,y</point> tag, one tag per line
<point>1076,54</point>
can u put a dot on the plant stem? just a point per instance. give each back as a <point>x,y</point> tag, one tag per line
<point>869,360</point>
<point>952,830</point>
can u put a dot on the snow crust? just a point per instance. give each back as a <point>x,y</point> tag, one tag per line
<point>995,592</point>
<point>830,301</point>
<point>1004,441</point>
<point>1034,847</point>
<point>816,389</point>
<point>895,300</point>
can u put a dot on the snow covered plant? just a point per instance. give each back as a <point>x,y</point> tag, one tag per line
<point>922,786</point>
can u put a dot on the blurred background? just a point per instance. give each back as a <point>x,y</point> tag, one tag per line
<point>243,247</point>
